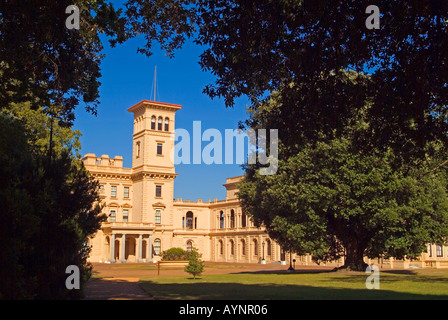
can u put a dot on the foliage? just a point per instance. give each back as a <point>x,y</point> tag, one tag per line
<point>44,62</point>
<point>258,47</point>
<point>39,125</point>
<point>310,43</point>
<point>175,254</point>
<point>330,199</point>
<point>48,211</point>
<point>195,265</point>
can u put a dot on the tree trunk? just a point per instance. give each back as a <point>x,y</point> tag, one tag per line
<point>354,258</point>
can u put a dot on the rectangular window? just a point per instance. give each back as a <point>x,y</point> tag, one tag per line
<point>101,189</point>
<point>126,192</point>
<point>113,191</point>
<point>112,215</point>
<point>138,150</point>
<point>158,191</point>
<point>125,215</point>
<point>158,216</point>
<point>439,252</point>
<point>429,250</point>
<point>159,148</point>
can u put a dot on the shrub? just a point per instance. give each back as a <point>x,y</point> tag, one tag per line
<point>175,254</point>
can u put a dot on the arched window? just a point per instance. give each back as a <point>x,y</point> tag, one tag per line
<point>221,247</point>
<point>243,220</point>
<point>232,219</point>
<point>189,220</point>
<point>268,247</point>
<point>221,220</point>
<point>157,246</point>
<point>159,123</point>
<point>243,247</point>
<point>158,216</point>
<point>255,247</point>
<point>189,245</point>
<point>153,123</point>
<point>167,124</point>
<point>232,247</point>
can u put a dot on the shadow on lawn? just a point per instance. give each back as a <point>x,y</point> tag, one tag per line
<point>238,291</point>
<point>387,276</point>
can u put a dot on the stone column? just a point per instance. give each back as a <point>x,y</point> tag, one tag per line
<point>112,248</point>
<point>140,248</point>
<point>123,248</point>
<point>149,255</point>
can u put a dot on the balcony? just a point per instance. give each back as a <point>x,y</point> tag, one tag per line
<point>128,226</point>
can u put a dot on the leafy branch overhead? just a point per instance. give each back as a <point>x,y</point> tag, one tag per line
<point>253,48</point>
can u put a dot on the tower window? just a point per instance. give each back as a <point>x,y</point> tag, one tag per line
<point>167,124</point>
<point>159,148</point>
<point>158,191</point>
<point>159,123</point>
<point>138,149</point>
<point>153,123</point>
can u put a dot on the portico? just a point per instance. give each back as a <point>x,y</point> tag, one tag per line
<point>122,247</point>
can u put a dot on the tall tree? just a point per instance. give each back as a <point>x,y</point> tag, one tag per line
<point>48,211</point>
<point>332,200</point>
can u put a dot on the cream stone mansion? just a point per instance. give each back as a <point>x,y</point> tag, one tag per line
<point>144,219</point>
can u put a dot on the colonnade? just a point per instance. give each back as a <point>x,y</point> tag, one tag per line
<point>123,237</point>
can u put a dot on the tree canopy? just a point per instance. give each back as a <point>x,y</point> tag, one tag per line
<point>331,200</point>
<point>257,47</point>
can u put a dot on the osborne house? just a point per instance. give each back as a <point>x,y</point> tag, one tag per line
<point>144,219</point>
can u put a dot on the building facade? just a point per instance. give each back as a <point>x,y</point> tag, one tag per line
<point>144,219</point>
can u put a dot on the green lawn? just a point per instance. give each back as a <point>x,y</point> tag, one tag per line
<point>415,284</point>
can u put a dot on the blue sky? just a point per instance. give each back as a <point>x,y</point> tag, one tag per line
<point>127,78</point>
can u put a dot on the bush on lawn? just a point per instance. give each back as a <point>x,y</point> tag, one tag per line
<point>175,254</point>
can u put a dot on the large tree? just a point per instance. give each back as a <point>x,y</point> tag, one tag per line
<point>48,212</point>
<point>332,200</point>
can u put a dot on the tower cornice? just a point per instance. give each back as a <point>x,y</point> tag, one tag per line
<point>154,105</point>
